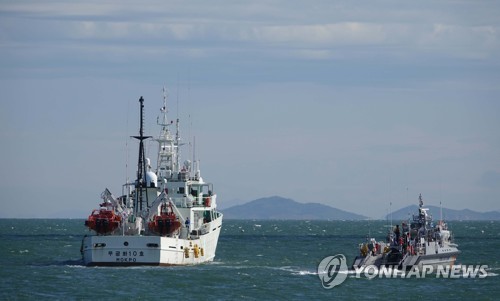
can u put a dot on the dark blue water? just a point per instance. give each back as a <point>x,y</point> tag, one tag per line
<point>40,259</point>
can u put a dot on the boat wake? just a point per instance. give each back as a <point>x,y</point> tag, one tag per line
<point>67,263</point>
<point>490,272</point>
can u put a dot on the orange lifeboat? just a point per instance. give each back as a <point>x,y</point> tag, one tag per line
<point>166,223</point>
<point>103,221</point>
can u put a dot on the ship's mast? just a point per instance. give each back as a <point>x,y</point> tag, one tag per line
<point>166,147</point>
<point>140,184</point>
<point>177,143</point>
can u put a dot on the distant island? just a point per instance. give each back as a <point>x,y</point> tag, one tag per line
<point>448,214</point>
<point>279,208</point>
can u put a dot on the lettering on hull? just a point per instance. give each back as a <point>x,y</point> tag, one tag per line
<point>121,259</point>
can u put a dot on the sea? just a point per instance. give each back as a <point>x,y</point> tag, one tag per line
<point>256,260</point>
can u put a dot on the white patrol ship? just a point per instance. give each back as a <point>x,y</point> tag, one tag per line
<point>417,243</point>
<point>166,217</point>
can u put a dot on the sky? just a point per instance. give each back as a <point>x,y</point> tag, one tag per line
<point>353,104</point>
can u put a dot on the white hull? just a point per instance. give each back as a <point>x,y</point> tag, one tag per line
<point>133,250</point>
<point>434,260</point>
<point>416,244</point>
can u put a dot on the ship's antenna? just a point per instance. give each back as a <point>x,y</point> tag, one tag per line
<point>195,166</point>
<point>177,108</point>
<point>190,119</point>
<point>177,143</point>
<point>126,148</point>
<point>163,122</point>
<point>141,184</point>
<point>164,109</point>
<point>389,196</point>
<point>440,198</point>
<point>177,125</point>
<point>440,213</point>
<point>190,144</point>
<point>390,208</point>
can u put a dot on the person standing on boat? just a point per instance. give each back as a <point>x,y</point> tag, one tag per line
<point>397,233</point>
<point>405,227</point>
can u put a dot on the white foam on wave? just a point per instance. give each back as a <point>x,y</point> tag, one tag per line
<point>490,273</point>
<point>296,270</point>
<point>74,266</point>
<point>305,273</point>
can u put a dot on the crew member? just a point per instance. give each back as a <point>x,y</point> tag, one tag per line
<point>397,233</point>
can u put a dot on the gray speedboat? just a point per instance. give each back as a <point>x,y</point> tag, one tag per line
<point>417,243</point>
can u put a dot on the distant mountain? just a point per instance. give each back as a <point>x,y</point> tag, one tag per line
<point>279,208</point>
<point>448,214</point>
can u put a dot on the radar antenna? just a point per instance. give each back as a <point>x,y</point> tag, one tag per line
<point>140,183</point>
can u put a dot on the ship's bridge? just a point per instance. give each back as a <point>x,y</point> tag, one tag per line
<point>191,194</point>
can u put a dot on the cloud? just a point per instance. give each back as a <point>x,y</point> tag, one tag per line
<point>475,42</point>
<point>352,33</point>
<point>323,31</point>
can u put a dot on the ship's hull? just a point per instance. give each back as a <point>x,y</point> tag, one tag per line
<point>134,250</point>
<point>434,260</point>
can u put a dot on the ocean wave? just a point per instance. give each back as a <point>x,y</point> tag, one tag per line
<point>80,266</point>
<point>305,273</point>
<point>490,273</point>
<point>294,270</point>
